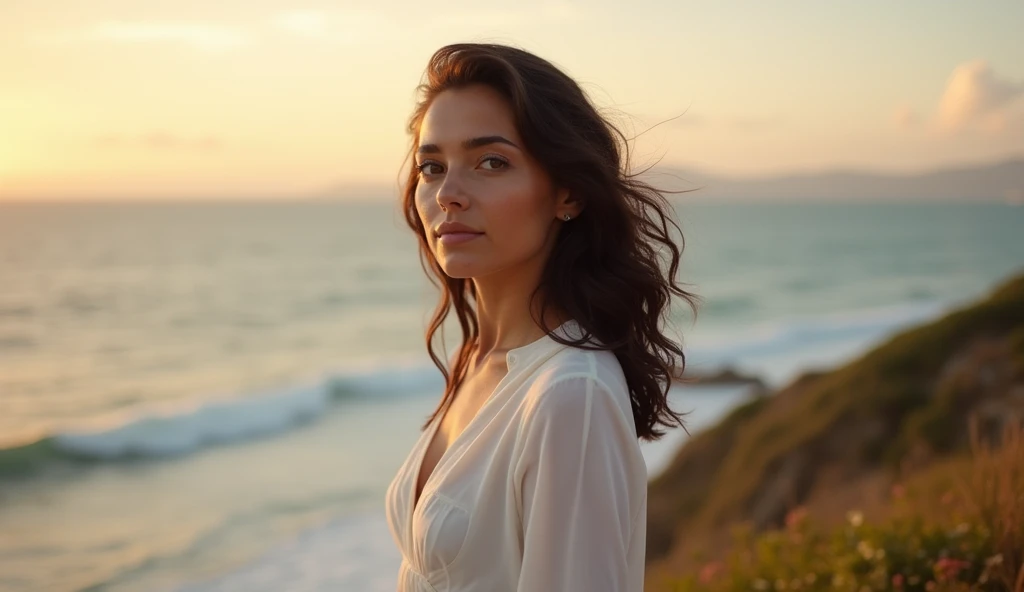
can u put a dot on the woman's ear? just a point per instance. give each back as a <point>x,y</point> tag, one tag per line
<point>567,203</point>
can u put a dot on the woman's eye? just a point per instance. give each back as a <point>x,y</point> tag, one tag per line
<point>425,168</point>
<point>498,163</point>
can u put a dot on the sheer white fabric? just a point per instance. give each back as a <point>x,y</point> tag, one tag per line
<point>544,490</point>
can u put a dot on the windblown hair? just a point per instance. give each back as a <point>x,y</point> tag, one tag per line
<point>604,271</point>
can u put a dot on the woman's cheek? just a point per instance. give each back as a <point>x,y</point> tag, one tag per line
<point>426,213</point>
<point>520,238</point>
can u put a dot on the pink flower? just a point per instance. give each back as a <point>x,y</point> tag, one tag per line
<point>947,568</point>
<point>796,517</point>
<point>709,571</point>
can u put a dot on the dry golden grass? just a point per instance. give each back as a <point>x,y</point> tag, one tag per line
<point>993,494</point>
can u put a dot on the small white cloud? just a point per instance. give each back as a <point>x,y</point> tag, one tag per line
<point>906,117</point>
<point>341,27</point>
<point>160,141</point>
<point>976,98</point>
<point>553,13</point>
<point>361,26</point>
<point>312,23</point>
<point>197,35</point>
<point>560,11</point>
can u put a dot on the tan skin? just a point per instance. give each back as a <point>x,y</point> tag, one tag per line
<point>497,188</point>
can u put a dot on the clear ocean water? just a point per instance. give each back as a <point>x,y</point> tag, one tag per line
<point>214,396</point>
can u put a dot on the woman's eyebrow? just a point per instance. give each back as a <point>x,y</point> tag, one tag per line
<point>468,144</point>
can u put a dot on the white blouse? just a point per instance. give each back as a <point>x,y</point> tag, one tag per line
<point>544,490</point>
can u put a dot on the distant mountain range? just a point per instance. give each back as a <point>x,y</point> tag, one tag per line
<point>1002,181</point>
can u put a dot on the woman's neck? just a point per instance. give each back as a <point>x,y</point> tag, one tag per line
<point>504,315</point>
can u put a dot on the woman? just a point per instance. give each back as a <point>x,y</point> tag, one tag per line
<point>528,476</point>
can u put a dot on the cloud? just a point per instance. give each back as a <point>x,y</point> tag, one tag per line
<point>334,26</point>
<point>312,23</point>
<point>160,141</point>
<point>906,117</point>
<point>202,36</point>
<point>339,27</point>
<point>546,14</point>
<point>356,26</point>
<point>976,98</point>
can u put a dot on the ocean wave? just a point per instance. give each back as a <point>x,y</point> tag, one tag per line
<point>792,335</point>
<point>148,432</point>
<point>186,427</point>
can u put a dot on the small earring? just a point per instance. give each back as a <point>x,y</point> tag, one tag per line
<point>567,217</point>
<point>444,209</point>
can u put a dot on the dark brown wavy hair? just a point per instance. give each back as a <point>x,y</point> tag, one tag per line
<point>605,270</point>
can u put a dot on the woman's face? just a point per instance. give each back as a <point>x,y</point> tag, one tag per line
<point>474,171</point>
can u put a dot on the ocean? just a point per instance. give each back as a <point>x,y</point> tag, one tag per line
<point>214,396</point>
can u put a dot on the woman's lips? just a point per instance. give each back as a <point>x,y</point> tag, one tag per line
<point>456,238</point>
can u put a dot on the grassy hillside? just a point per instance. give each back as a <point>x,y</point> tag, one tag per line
<point>840,435</point>
<point>955,526</point>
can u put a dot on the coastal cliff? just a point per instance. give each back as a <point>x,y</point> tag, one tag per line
<point>843,438</point>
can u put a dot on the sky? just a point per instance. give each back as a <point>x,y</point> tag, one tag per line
<point>137,99</point>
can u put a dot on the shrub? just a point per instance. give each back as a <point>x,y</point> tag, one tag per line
<point>974,542</point>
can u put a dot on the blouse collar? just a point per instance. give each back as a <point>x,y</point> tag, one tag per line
<point>525,355</point>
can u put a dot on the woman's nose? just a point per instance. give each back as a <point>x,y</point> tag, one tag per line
<point>451,194</point>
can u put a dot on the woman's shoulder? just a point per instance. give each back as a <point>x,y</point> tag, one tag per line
<point>578,383</point>
<point>573,374</point>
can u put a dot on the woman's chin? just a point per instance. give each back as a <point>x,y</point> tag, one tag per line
<point>457,272</point>
<point>460,267</point>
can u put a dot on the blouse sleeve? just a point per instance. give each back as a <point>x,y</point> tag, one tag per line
<point>578,482</point>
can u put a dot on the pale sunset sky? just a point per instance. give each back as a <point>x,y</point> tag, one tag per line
<point>138,99</point>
